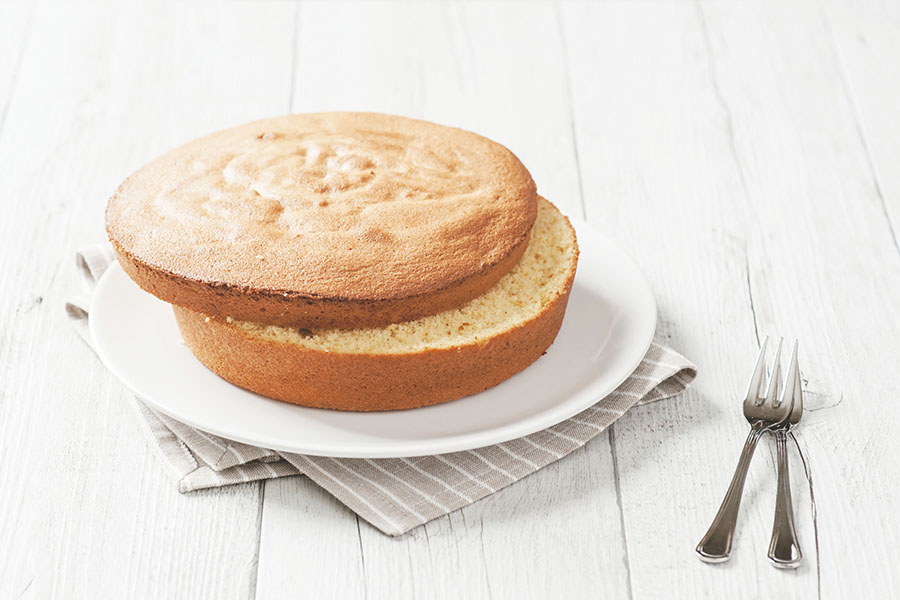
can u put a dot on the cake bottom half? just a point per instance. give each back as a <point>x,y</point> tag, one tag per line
<point>418,363</point>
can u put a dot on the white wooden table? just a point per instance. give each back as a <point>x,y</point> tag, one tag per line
<point>747,155</point>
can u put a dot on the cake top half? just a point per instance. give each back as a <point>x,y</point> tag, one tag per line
<point>338,206</point>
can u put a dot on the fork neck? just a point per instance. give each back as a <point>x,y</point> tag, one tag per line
<point>758,427</point>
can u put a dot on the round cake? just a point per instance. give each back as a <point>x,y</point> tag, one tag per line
<point>432,359</point>
<point>325,221</point>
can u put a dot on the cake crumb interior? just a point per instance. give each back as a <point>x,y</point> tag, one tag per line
<point>537,279</point>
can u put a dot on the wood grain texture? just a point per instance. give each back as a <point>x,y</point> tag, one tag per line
<point>101,88</point>
<point>745,154</point>
<point>755,154</point>
<point>813,176</point>
<point>664,182</point>
<point>867,54</point>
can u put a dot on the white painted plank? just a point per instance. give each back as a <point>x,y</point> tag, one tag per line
<point>835,208</point>
<point>318,536</point>
<point>497,69</point>
<point>867,45</point>
<point>660,175</point>
<point>820,215</point>
<point>552,534</point>
<point>741,143</point>
<point>103,88</point>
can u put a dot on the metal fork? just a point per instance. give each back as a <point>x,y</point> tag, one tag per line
<point>763,413</point>
<point>784,549</point>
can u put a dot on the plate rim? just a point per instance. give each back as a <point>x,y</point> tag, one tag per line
<point>407,448</point>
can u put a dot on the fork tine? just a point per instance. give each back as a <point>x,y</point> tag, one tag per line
<point>753,388</point>
<point>775,377</point>
<point>792,391</point>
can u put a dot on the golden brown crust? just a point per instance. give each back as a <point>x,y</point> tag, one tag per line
<point>367,382</point>
<point>325,220</point>
<point>281,307</point>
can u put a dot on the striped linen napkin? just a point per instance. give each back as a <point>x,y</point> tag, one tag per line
<point>395,494</point>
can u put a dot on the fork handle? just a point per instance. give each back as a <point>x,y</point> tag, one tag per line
<point>784,550</point>
<point>716,544</point>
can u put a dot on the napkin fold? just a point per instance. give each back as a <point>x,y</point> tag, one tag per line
<point>395,494</point>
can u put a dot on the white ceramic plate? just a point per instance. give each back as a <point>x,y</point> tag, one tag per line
<point>608,327</point>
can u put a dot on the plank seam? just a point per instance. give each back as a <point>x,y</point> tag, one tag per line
<point>845,84</point>
<point>571,104</point>
<point>618,487</point>
<point>254,569</point>
<point>362,558</point>
<point>750,296</point>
